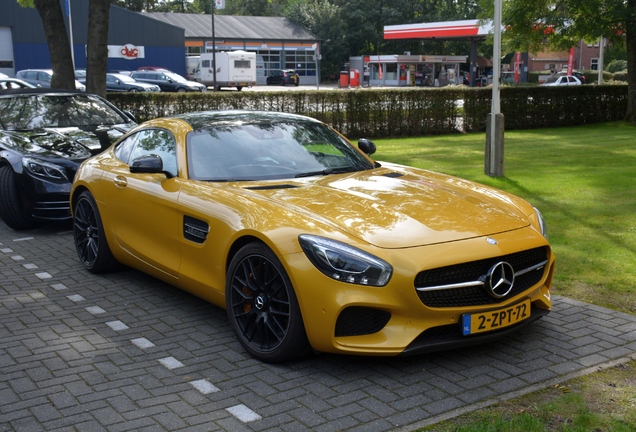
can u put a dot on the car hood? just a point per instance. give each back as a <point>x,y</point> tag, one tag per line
<point>400,208</point>
<point>66,142</point>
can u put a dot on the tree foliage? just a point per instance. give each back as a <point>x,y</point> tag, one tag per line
<point>560,24</point>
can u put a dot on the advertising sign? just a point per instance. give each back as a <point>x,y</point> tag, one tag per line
<point>570,61</point>
<point>127,52</point>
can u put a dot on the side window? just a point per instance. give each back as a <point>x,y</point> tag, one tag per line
<point>123,149</point>
<point>31,75</point>
<point>205,63</point>
<point>43,76</point>
<point>110,78</point>
<point>159,142</point>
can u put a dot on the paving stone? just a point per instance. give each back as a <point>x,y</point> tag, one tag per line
<point>68,368</point>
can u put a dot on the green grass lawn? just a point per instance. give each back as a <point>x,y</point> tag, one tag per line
<point>583,179</point>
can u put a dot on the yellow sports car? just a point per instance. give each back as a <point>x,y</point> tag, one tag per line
<point>309,243</point>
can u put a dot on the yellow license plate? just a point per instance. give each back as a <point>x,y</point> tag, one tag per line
<point>495,319</point>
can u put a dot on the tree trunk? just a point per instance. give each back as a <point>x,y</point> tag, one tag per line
<point>52,18</point>
<point>97,47</point>
<point>630,41</point>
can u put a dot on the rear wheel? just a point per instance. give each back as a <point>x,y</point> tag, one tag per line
<point>262,306</point>
<point>90,240</point>
<point>11,210</point>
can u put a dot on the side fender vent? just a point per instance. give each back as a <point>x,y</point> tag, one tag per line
<point>195,230</point>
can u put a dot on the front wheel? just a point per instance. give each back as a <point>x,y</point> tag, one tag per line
<point>12,211</point>
<point>90,240</point>
<point>262,306</point>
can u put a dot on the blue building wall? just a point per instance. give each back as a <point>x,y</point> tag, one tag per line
<point>164,44</point>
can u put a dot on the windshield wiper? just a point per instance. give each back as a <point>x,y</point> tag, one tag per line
<point>326,171</point>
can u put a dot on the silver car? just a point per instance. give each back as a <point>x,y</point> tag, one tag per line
<point>42,78</point>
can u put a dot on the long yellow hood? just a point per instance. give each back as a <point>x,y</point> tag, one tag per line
<point>395,209</point>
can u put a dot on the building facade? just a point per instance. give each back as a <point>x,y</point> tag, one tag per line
<point>159,39</point>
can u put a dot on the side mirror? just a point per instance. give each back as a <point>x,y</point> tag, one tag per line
<point>367,146</point>
<point>148,164</point>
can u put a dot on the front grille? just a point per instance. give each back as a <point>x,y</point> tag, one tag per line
<point>473,271</point>
<point>52,207</point>
<point>359,320</point>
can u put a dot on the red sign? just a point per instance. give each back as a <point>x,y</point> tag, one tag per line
<point>517,76</point>
<point>129,52</point>
<point>570,61</point>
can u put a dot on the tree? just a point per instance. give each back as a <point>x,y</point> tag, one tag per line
<point>97,46</point>
<point>558,25</point>
<point>50,12</point>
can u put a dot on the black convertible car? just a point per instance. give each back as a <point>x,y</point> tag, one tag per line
<point>44,135</point>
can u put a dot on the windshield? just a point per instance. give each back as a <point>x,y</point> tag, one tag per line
<point>175,77</point>
<point>27,112</point>
<point>125,78</point>
<point>275,150</point>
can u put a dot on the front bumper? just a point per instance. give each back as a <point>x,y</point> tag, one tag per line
<point>394,320</point>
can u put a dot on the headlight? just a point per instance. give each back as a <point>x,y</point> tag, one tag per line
<point>542,225</point>
<point>345,263</point>
<point>45,170</point>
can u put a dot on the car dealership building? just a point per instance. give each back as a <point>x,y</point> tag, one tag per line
<point>159,39</point>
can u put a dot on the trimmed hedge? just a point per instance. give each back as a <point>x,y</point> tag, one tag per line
<point>402,112</point>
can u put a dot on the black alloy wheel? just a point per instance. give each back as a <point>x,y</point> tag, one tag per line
<point>262,306</point>
<point>90,240</point>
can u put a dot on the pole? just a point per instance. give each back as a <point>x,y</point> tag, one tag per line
<point>213,46</point>
<point>70,32</point>
<point>600,60</point>
<point>495,169</point>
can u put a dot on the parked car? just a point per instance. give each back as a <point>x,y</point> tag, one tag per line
<point>80,75</point>
<point>14,83</point>
<point>282,77</point>
<point>44,135</point>
<point>307,241</point>
<point>579,75</point>
<point>168,81</point>
<point>558,80</point>
<point>42,78</point>
<point>125,83</point>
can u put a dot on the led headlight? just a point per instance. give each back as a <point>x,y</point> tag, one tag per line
<point>542,225</point>
<point>345,263</point>
<point>45,170</point>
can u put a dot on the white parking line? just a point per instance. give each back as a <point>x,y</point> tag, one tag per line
<point>143,343</point>
<point>171,362</point>
<point>95,310</point>
<point>204,386</point>
<point>117,325</point>
<point>243,413</point>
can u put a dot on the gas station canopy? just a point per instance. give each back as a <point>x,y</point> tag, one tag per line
<point>465,29</point>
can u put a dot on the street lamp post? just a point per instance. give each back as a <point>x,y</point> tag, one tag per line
<point>495,127</point>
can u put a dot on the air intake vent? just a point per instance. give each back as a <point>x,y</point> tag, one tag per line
<point>358,320</point>
<point>195,230</point>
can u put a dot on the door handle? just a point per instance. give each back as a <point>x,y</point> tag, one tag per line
<point>120,181</point>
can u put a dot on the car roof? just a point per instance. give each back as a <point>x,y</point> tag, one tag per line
<point>202,119</point>
<point>39,90</point>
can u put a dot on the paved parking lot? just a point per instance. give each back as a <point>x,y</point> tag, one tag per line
<point>126,352</point>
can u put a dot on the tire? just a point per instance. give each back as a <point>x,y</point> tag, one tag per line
<point>133,90</point>
<point>262,306</point>
<point>181,90</point>
<point>11,210</point>
<point>90,241</point>
<point>239,88</point>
